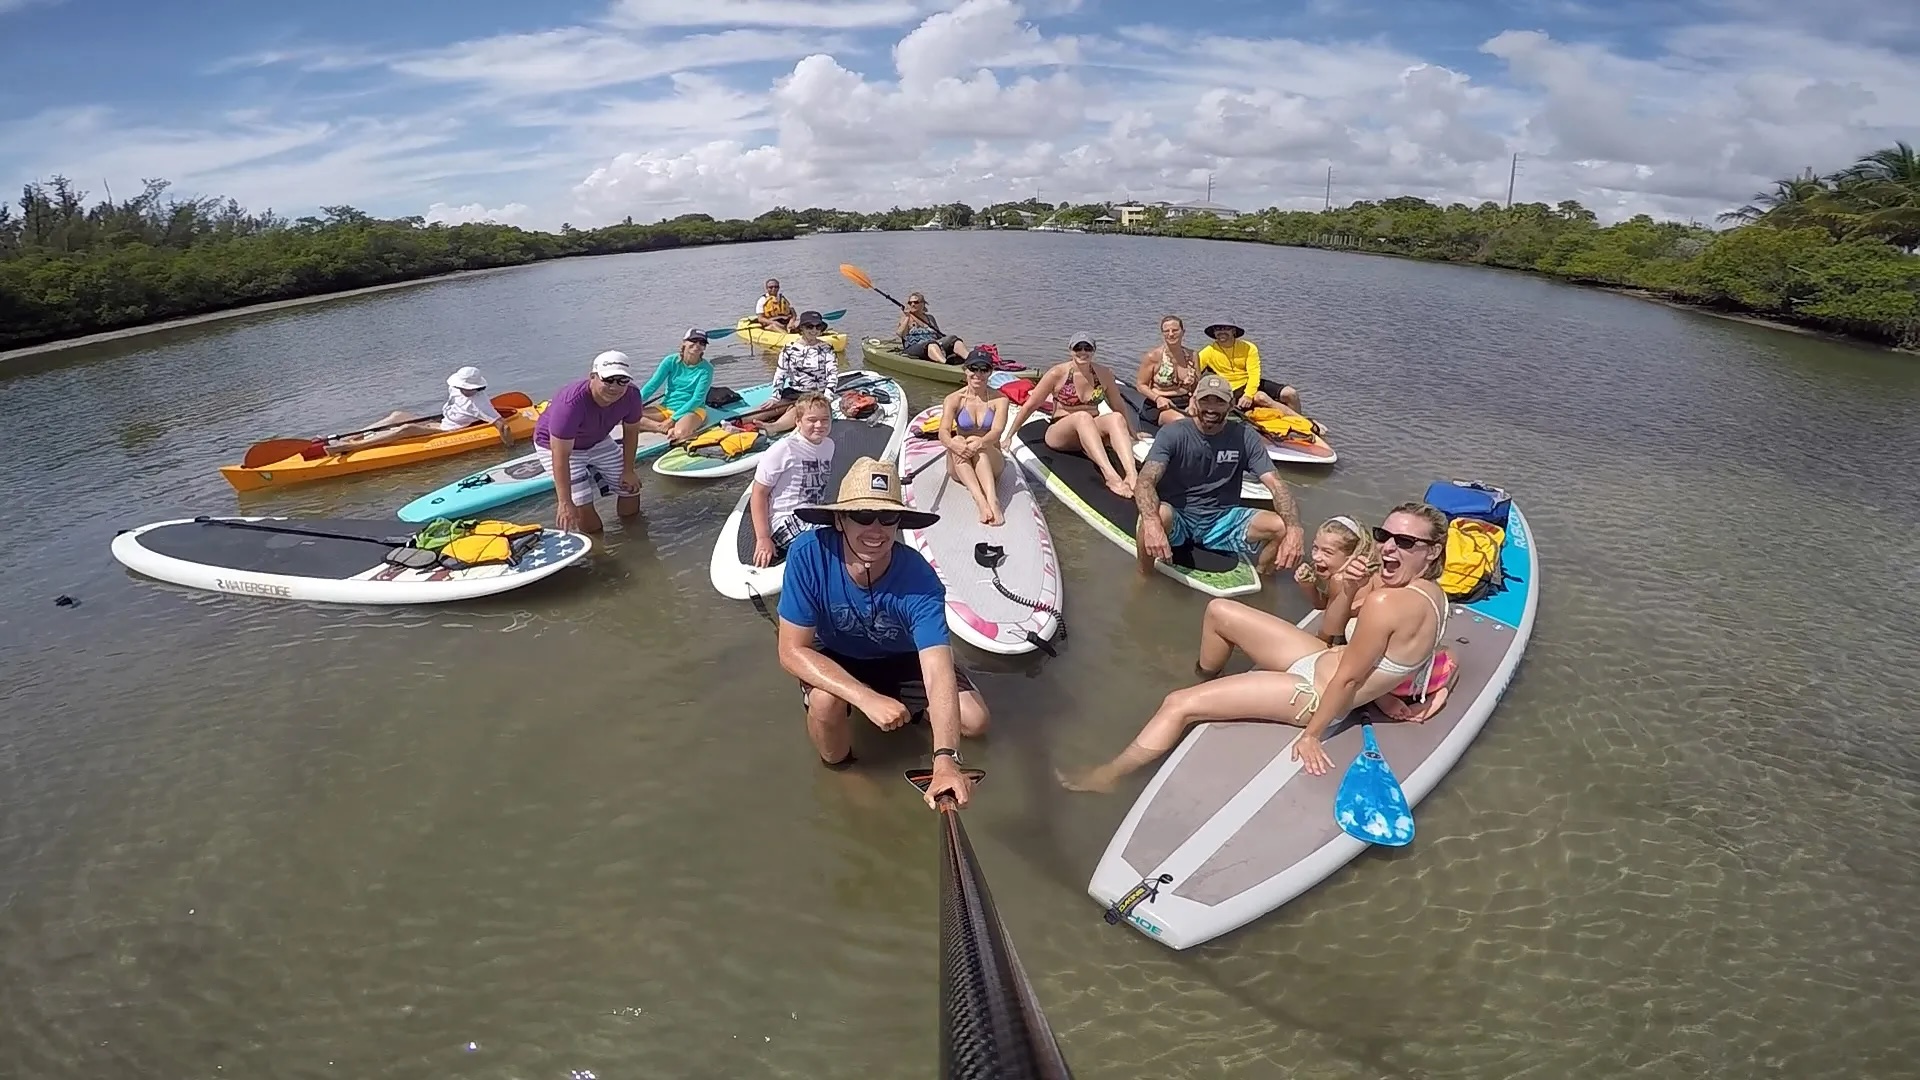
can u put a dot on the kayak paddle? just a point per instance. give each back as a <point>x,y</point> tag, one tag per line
<point>859,277</point>
<point>1370,805</point>
<point>728,331</point>
<point>268,451</point>
<point>383,541</point>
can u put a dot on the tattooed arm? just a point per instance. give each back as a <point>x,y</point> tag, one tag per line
<point>1150,536</point>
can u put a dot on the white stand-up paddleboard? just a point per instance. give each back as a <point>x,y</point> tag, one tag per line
<point>1076,481</point>
<point>979,613</point>
<point>877,436</point>
<point>290,559</point>
<point>1282,452</point>
<point>1231,828</point>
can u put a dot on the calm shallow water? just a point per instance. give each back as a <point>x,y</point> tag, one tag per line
<point>578,828</point>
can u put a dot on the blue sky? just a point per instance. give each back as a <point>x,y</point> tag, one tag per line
<point>588,112</point>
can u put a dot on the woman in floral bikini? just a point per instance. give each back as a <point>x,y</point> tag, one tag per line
<point>1166,376</point>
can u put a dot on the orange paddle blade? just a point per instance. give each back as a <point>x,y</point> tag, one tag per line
<point>512,399</point>
<point>856,275</point>
<point>262,454</point>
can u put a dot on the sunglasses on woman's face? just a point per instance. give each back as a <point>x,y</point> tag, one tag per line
<point>1382,536</point>
<point>1083,348</point>
<point>888,518</point>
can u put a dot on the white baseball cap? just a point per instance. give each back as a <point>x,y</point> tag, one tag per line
<point>467,378</point>
<point>612,362</point>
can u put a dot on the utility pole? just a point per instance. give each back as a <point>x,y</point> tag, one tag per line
<point>1329,204</point>
<point>1209,188</point>
<point>1513,171</point>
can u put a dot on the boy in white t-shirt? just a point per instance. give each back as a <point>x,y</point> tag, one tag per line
<point>791,475</point>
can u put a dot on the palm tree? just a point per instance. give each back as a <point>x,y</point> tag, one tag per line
<point>1883,189</point>
<point>1794,201</point>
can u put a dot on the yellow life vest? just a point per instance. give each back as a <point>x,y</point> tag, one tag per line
<point>1473,553</point>
<point>456,545</point>
<point>777,307</point>
<point>719,442</point>
<point>931,426</point>
<point>1275,424</point>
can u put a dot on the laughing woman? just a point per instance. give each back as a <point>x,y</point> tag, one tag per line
<point>1300,679</point>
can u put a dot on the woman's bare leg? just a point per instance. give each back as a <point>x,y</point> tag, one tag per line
<point>1271,642</point>
<point>986,466</point>
<point>686,427</point>
<point>969,476</point>
<point>1271,696</point>
<point>1120,436</point>
<point>1076,432</point>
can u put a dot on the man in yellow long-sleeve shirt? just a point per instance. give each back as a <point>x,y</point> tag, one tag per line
<point>1238,361</point>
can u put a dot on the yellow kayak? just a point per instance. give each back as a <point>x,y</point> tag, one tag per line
<point>518,410</point>
<point>755,334</point>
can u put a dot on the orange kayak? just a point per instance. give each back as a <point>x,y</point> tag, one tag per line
<point>297,469</point>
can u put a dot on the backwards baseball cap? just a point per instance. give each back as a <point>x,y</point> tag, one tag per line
<point>1213,386</point>
<point>695,334</point>
<point>612,362</point>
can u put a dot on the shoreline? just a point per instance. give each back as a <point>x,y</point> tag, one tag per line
<point>1631,291</point>
<point>126,332</point>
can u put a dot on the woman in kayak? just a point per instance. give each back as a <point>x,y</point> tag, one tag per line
<point>920,334</point>
<point>971,421</point>
<point>1299,678</point>
<point>1077,387</point>
<point>1166,376</point>
<point>467,405</point>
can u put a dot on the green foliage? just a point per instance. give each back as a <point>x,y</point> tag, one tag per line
<point>67,270</point>
<point>1833,252</point>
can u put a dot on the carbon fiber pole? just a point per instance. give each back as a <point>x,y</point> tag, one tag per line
<point>991,1025</point>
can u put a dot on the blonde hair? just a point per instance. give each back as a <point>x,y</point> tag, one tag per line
<point>809,399</point>
<point>1350,538</point>
<point>1437,523</point>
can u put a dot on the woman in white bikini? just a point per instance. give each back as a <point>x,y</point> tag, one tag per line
<point>1299,678</point>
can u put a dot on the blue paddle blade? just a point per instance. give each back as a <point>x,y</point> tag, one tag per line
<point>1370,805</point>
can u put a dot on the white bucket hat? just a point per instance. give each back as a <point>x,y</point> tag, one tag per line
<point>467,378</point>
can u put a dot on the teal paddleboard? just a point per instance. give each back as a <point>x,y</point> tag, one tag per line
<point>524,477</point>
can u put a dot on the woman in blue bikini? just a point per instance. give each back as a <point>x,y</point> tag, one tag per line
<point>971,420</point>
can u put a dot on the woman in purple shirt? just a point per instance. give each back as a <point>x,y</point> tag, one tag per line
<point>572,439</point>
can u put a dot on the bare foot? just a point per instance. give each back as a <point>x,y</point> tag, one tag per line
<point>995,519</point>
<point>986,515</point>
<point>1120,487</point>
<point>1090,780</point>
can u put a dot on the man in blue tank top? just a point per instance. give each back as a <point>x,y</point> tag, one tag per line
<point>863,624</point>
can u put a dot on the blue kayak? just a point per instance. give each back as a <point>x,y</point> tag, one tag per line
<point>524,477</point>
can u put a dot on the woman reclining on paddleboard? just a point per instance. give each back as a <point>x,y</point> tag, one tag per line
<point>971,421</point>
<point>1076,388</point>
<point>1300,679</point>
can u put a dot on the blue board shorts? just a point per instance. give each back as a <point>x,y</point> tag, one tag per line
<point>1217,530</point>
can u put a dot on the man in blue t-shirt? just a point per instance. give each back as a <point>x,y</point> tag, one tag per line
<point>863,624</point>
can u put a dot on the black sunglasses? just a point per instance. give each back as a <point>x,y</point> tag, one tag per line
<point>615,380</point>
<point>1381,536</point>
<point>813,326</point>
<point>888,518</point>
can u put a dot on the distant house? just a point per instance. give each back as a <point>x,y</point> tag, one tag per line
<point>1131,214</point>
<point>1180,210</point>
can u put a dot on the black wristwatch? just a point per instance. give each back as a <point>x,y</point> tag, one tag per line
<point>952,753</point>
